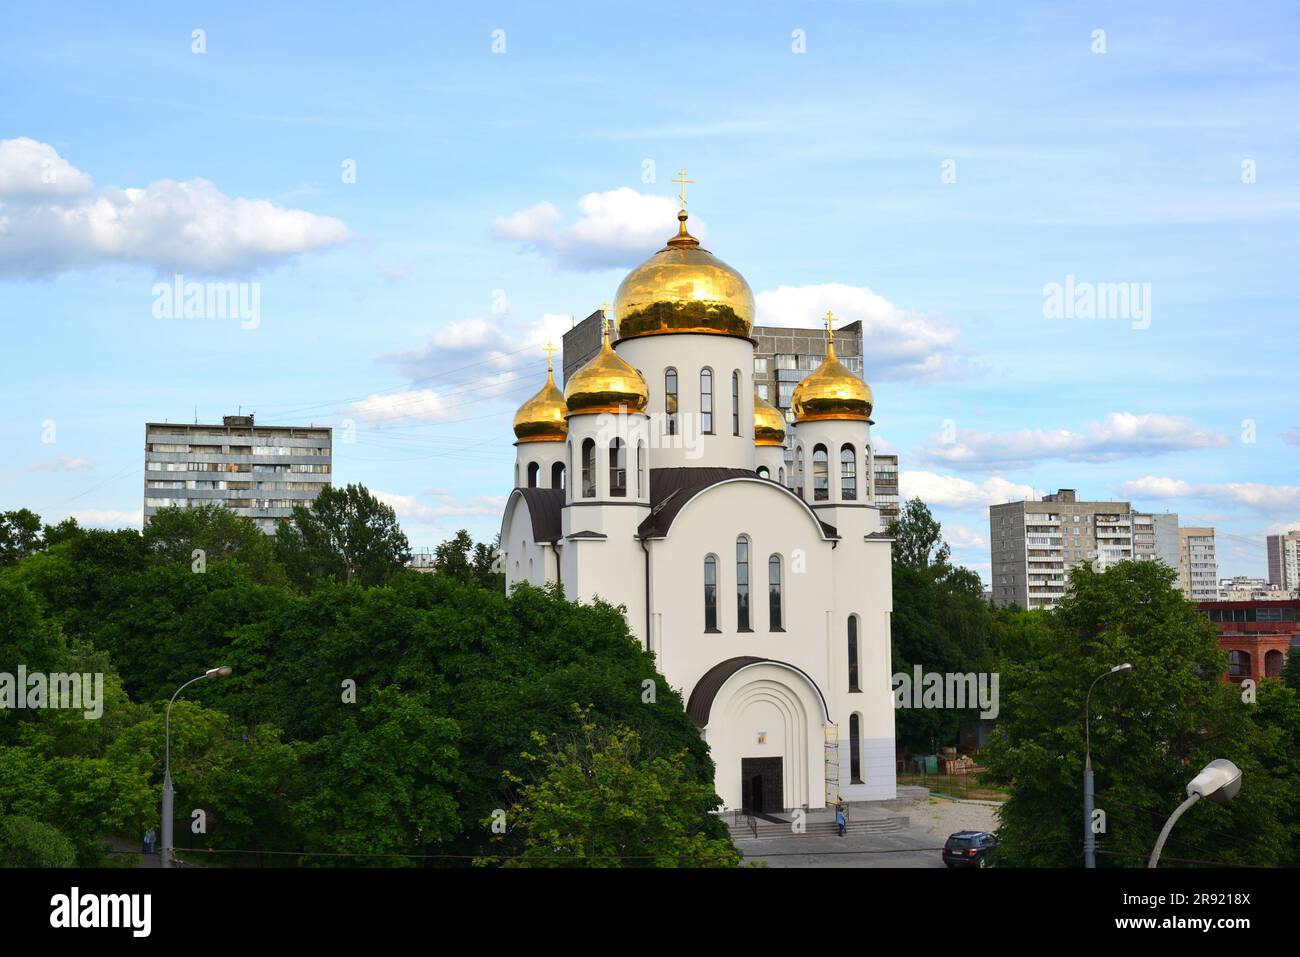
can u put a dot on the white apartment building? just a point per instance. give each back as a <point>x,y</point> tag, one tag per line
<point>1284,560</point>
<point>1198,565</point>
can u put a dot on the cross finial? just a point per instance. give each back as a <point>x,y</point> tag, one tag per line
<point>681,178</point>
<point>605,312</point>
<point>830,324</point>
<point>549,349</point>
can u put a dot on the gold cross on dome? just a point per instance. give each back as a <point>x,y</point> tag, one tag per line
<point>830,324</point>
<point>605,317</point>
<point>681,178</point>
<point>549,349</point>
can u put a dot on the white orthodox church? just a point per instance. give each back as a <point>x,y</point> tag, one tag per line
<point>656,480</point>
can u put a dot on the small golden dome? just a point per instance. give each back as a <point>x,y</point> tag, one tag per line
<point>541,418</point>
<point>683,288</point>
<point>606,384</point>
<point>769,423</point>
<point>831,391</point>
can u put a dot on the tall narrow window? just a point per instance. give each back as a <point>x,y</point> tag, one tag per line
<point>640,470</point>
<point>855,749</point>
<point>848,473</point>
<point>706,401</point>
<point>557,475</point>
<point>735,403</point>
<point>618,468</point>
<point>853,653</point>
<point>774,617</point>
<point>798,471</point>
<point>533,469</point>
<point>742,583</point>
<point>780,472</point>
<point>670,400</point>
<point>821,480</point>
<point>588,468</point>
<point>710,593</point>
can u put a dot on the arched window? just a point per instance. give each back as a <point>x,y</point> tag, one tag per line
<point>706,401</point>
<point>735,402</point>
<point>1239,664</point>
<point>618,469</point>
<point>533,469</point>
<point>516,475</point>
<point>775,620</point>
<point>798,471</point>
<point>588,468</point>
<point>781,474</point>
<point>742,584</point>
<point>640,470</point>
<point>710,593</point>
<point>1273,664</point>
<point>763,472</point>
<point>848,473</point>
<point>855,749</point>
<point>853,653</point>
<point>670,400</point>
<point>821,480</point>
<point>557,475</point>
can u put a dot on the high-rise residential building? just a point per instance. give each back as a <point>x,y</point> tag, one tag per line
<point>783,357</point>
<point>258,471</point>
<point>1034,545</point>
<point>1284,560</point>
<point>1155,537</point>
<point>1198,567</point>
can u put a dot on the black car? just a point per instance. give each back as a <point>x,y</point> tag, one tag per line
<point>968,849</point>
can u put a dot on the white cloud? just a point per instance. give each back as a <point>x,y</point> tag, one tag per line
<point>444,506</point>
<point>616,228</point>
<point>170,226</point>
<point>108,518</point>
<point>899,344</point>
<point>1252,495</point>
<point>963,536</point>
<point>30,169</point>
<point>1118,435</point>
<point>949,491</point>
<point>63,463</point>
<point>463,365</point>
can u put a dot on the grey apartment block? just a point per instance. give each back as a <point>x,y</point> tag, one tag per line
<point>783,356</point>
<point>257,471</point>
<point>1034,545</point>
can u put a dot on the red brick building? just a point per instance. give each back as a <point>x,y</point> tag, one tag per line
<point>1255,634</point>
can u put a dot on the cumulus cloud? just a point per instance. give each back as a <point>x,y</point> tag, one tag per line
<point>899,343</point>
<point>463,365</point>
<point>109,518</point>
<point>1252,495</point>
<point>52,220</point>
<point>616,228</point>
<point>1118,435</point>
<point>63,463</point>
<point>949,491</point>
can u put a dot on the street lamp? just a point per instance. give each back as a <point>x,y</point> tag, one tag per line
<point>1090,839</point>
<point>167,796</point>
<point>1219,781</point>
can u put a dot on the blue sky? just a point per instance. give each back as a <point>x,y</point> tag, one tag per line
<point>497,193</point>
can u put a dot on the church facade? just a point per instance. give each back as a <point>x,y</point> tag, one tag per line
<point>656,480</point>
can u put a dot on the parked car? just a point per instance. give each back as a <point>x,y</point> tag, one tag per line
<point>968,849</point>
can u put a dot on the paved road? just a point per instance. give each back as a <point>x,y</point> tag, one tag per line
<point>910,847</point>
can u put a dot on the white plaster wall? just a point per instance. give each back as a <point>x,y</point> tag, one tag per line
<point>545,454</point>
<point>522,558</point>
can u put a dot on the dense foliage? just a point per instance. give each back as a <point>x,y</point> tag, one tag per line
<point>375,715</point>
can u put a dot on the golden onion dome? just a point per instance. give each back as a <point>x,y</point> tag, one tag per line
<point>541,418</point>
<point>606,384</point>
<point>683,288</point>
<point>831,391</point>
<point>769,423</point>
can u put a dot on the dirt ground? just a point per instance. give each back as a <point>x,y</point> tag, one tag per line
<point>943,817</point>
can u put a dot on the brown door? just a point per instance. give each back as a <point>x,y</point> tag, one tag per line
<point>761,785</point>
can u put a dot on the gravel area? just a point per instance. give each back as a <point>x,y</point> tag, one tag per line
<point>943,817</point>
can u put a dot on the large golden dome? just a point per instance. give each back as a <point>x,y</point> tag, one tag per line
<point>769,423</point>
<point>683,288</point>
<point>541,418</point>
<point>606,384</point>
<point>831,391</point>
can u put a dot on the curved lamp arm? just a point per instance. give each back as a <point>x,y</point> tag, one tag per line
<point>1169,826</point>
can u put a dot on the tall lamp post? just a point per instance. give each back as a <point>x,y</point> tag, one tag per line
<point>168,795</point>
<point>1090,839</point>
<point>1220,780</point>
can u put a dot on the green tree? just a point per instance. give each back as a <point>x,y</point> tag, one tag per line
<point>174,533</point>
<point>25,842</point>
<point>346,535</point>
<point>1152,730</point>
<point>20,535</point>
<point>597,801</point>
<point>918,539</point>
<point>1291,673</point>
